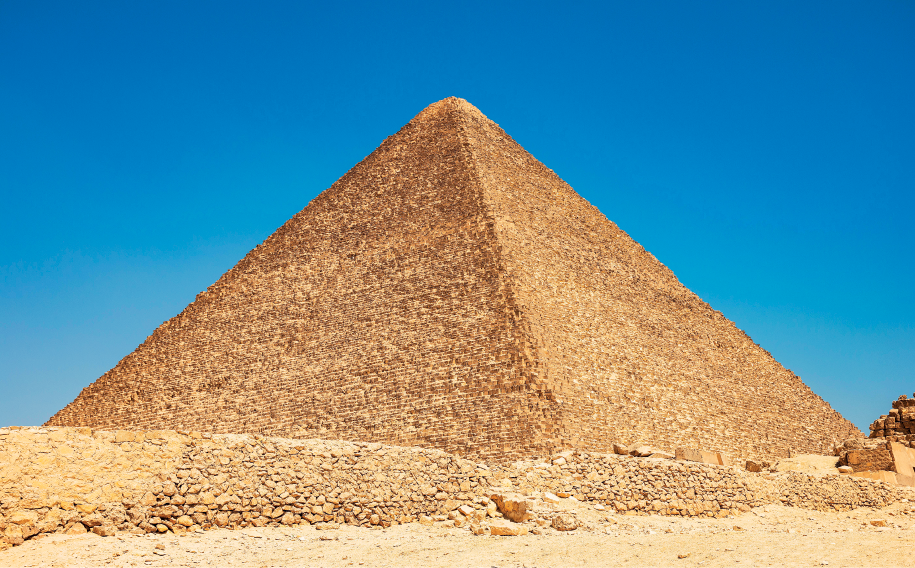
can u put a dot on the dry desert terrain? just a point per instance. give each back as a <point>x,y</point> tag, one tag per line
<point>773,535</point>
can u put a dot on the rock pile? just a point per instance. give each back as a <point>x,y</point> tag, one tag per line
<point>76,480</point>
<point>898,425</point>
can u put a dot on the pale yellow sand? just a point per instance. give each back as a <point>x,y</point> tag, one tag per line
<point>768,536</point>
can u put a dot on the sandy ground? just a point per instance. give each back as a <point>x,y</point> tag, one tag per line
<point>766,536</point>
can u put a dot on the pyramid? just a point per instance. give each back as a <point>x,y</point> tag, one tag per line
<point>451,291</point>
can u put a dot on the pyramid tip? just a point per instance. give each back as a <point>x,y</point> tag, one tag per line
<point>449,105</point>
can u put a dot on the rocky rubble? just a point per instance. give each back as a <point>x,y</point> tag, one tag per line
<point>75,480</point>
<point>898,425</point>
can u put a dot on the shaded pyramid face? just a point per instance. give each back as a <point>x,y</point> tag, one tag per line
<point>451,291</point>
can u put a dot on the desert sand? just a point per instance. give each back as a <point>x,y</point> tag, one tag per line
<point>766,536</point>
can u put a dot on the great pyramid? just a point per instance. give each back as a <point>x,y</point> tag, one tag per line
<point>450,291</point>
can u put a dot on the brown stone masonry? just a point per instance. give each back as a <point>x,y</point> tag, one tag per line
<point>75,479</point>
<point>452,292</point>
<point>898,425</point>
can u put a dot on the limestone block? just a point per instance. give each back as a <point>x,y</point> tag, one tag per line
<point>506,528</point>
<point>105,530</point>
<point>23,517</point>
<point>76,528</point>
<point>564,522</point>
<point>886,476</point>
<point>903,459</point>
<point>697,455</point>
<point>550,498</point>
<point>512,506</point>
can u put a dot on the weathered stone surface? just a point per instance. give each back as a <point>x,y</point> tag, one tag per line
<point>76,528</point>
<point>661,455</point>
<point>105,530</point>
<point>696,455</point>
<point>550,498</point>
<point>512,506</point>
<point>451,251</point>
<point>809,464</point>
<point>903,459</point>
<point>564,522</point>
<point>641,450</point>
<point>23,517</point>
<point>885,476</point>
<point>366,484</point>
<point>506,528</point>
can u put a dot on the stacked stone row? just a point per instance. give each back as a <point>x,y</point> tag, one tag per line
<point>679,488</point>
<point>74,480</point>
<point>261,484</point>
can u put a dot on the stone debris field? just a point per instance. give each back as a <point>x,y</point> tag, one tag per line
<point>65,487</point>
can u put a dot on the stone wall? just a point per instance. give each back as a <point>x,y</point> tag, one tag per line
<point>450,291</point>
<point>76,479</point>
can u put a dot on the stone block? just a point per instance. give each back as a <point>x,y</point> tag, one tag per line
<point>903,458</point>
<point>506,528</point>
<point>886,476</point>
<point>512,506</point>
<point>564,522</point>
<point>105,530</point>
<point>697,455</point>
<point>550,498</point>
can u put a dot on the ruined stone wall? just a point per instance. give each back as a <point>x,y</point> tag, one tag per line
<point>898,425</point>
<point>629,352</point>
<point>77,479</point>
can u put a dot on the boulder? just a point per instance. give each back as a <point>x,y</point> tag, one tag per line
<point>105,530</point>
<point>513,507</point>
<point>506,528</point>
<point>76,528</point>
<point>564,522</point>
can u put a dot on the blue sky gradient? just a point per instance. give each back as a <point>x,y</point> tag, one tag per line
<point>765,153</point>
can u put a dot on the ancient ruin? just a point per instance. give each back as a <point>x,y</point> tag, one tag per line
<point>75,480</point>
<point>452,292</point>
<point>898,425</point>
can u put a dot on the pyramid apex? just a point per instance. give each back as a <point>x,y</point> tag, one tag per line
<point>449,105</point>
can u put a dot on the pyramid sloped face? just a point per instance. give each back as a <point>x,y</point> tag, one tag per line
<point>451,291</point>
<point>376,313</point>
<point>629,352</point>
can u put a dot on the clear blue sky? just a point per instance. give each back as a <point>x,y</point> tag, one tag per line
<point>765,153</point>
